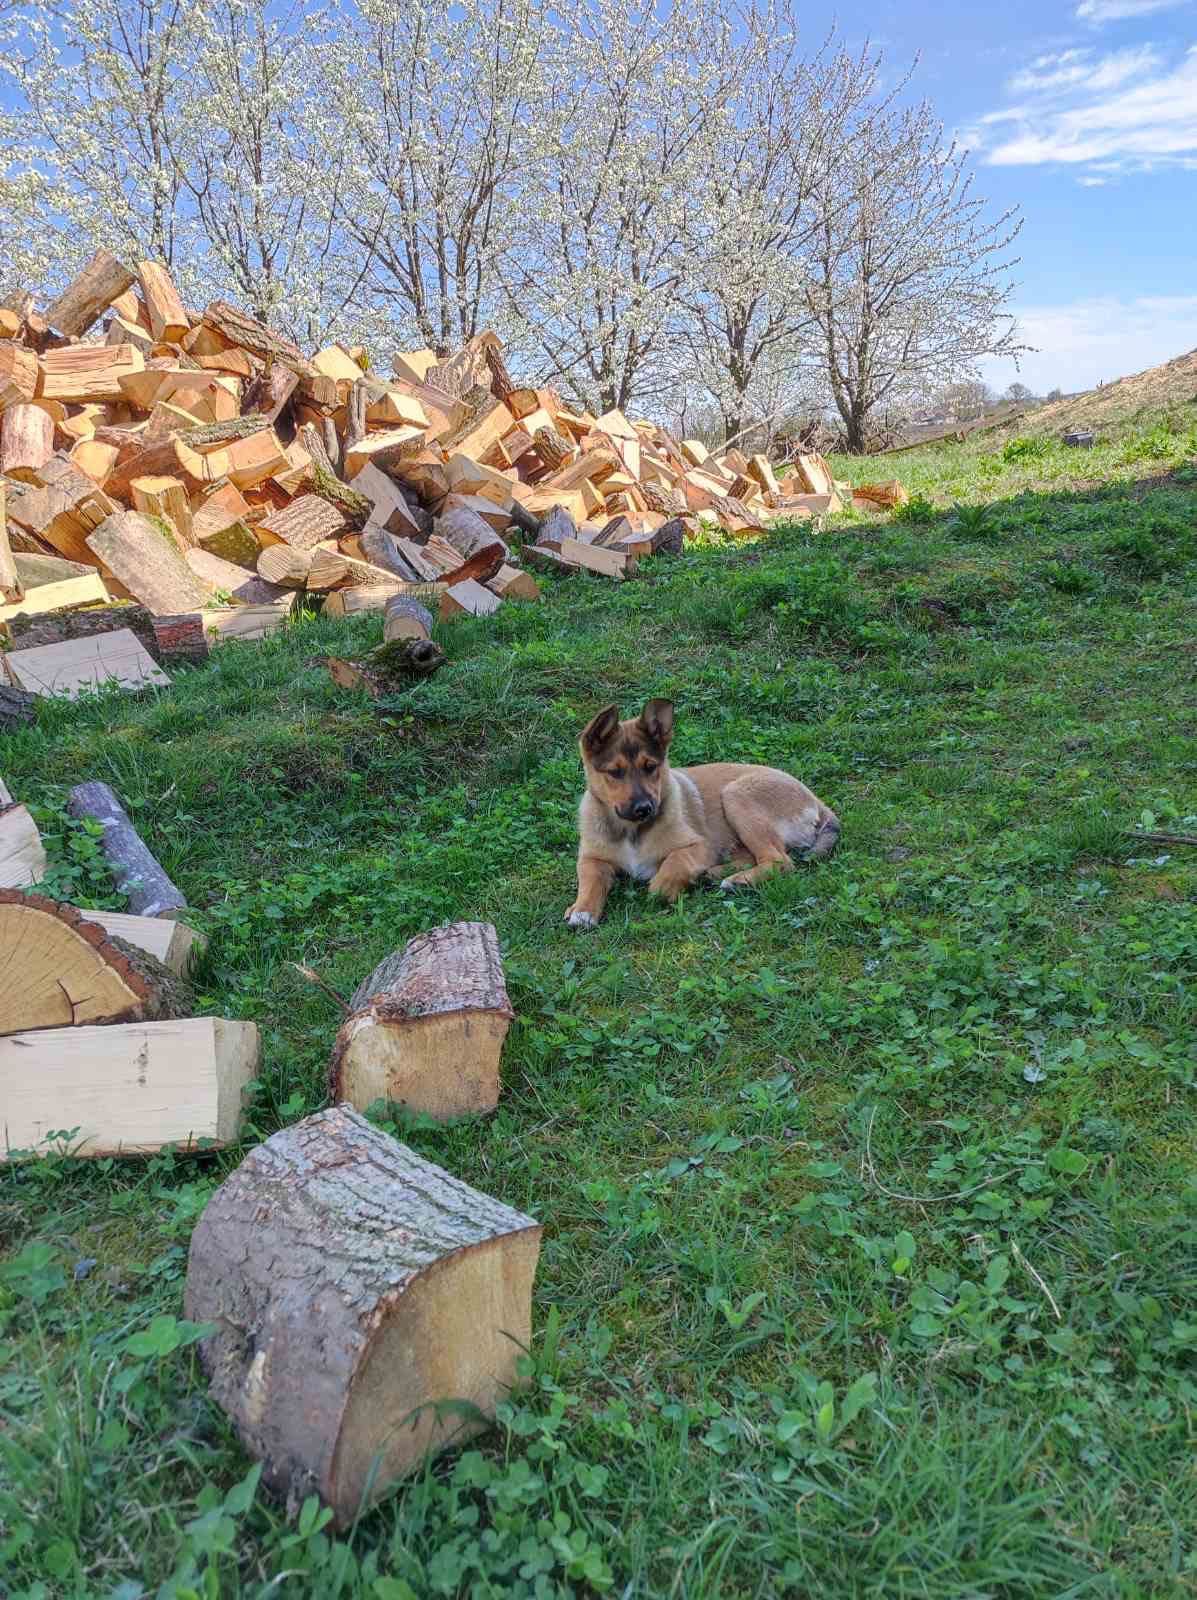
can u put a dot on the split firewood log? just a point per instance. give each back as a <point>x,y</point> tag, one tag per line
<point>85,299</point>
<point>128,1087</point>
<point>143,556</point>
<point>427,1026</point>
<point>138,875</point>
<point>357,1291</point>
<point>12,586</point>
<point>62,971</point>
<point>26,442</point>
<point>22,854</point>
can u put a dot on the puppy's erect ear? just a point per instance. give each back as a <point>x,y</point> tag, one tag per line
<point>597,732</point>
<point>657,721</point>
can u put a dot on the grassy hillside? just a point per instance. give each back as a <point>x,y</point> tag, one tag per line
<point>870,1198</point>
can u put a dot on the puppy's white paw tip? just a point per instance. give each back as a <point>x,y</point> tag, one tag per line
<point>580,919</point>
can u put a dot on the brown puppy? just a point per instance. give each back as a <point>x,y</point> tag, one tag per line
<point>640,817</point>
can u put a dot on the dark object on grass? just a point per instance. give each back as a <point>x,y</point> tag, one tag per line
<point>139,877</point>
<point>16,708</point>
<point>385,670</point>
<point>1080,440</point>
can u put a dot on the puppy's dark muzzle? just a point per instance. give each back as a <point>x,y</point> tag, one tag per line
<point>642,811</point>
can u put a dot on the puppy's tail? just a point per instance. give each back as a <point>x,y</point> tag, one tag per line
<point>826,838</point>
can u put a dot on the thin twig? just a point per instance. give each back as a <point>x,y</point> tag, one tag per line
<point>314,977</point>
<point>922,1199</point>
<point>1162,838</point>
<point>1022,1260</point>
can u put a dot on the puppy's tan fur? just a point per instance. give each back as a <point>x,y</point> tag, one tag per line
<point>641,817</point>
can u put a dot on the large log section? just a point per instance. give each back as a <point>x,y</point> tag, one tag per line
<point>357,1291</point>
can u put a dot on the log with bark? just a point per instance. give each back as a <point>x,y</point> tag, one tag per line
<point>369,1308</point>
<point>405,618</point>
<point>144,557</point>
<point>85,299</point>
<point>388,669</point>
<point>62,971</point>
<point>127,1088</point>
<point>181,638</point>
<point>427,1026</point>
<point>139,877</point>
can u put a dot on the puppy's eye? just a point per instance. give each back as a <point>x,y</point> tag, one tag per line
<point>650,767</point>
<point>617,773</point>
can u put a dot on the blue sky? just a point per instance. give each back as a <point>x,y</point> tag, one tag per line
<point>1085,115</point>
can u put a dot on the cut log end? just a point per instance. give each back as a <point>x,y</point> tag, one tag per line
<point>61,970</point>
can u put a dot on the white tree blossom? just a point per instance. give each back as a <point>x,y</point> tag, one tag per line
<point>909,273</point>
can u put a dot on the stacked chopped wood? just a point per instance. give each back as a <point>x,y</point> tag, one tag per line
<point>99,1052</point>
<point>199,464</point>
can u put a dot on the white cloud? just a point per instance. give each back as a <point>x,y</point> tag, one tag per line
<point>1099,11</point>
<point>1097,340</point>
<point>1077,69</point>
<point>1123,110</point>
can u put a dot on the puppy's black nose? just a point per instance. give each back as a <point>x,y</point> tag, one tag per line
<point>642,810</point>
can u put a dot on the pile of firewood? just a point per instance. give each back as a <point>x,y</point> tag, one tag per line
<point>200,469</point>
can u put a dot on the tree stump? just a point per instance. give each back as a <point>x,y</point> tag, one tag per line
<point>138,875</point>
<point>357,1291</point>
<point>427,1026</point>
<point>60,970</point>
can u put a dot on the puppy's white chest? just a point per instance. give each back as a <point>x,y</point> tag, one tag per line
<point>635,860</point>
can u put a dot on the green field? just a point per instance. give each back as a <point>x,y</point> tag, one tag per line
<point>870,1199</point>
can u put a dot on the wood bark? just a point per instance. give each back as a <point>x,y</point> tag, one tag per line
<point>470,535</point>
<point>242,330</point>
<point>181,638</point>
<point>85,299</point>
<point>26,442</point>
<point>552,449</point>
<point>556,527</point>
<point>427,1026</point>
<point>58,970</point>
<point>357,1292</point>
<point>354,507</point>
<point>139,877</point>
<point>18,709</point>
<point>143,556</point>
<point>383,550</point>
<point>128,1088</point>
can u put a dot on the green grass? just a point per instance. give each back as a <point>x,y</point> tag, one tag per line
<point>870,1205</point>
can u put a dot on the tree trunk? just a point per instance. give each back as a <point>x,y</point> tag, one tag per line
<point>139,877</point>
<point>427,1026</point>
<point>62,971</point>
<point>358,1291</point>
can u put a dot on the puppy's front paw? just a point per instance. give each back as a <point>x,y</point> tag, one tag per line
<point>580,919</point>
<point>738,880</point>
